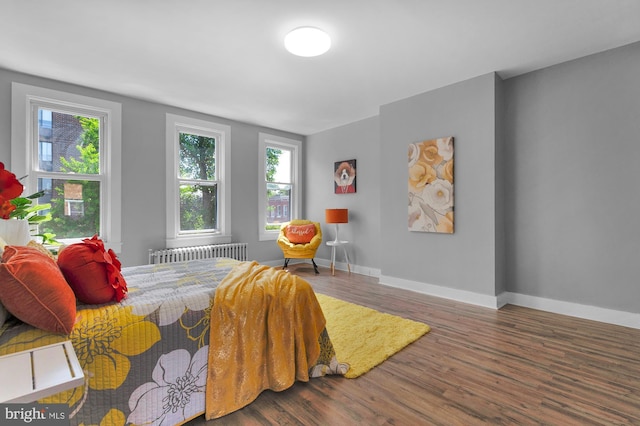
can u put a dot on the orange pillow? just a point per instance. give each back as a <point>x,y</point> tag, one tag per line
<point>92,272</point>
<point>300,234</point>
<point>33,289</point>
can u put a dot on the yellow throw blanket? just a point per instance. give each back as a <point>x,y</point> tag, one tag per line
<point>265,324</point>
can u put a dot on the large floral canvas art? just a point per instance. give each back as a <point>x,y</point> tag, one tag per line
<point>431,186</point>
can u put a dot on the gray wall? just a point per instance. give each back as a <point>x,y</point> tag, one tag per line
<point>501,210</point>
<point>378,225</point>
<point>464,260</point>
<point>572,169</point>
<point>359,141</point>
<point>143,160</point>
<point>547,183</point>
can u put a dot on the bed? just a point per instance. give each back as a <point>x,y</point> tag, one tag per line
<point>147,358</point>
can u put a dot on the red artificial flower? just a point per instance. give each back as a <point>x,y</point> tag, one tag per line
<point>10,186</point>
<point>112,265</point>
<point>6,208</point>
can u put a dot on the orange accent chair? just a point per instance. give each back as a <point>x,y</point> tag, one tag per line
<point>300,239</point>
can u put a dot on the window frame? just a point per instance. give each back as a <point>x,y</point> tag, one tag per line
<point>266,140</point>
<point>24,148</point>
<point>176,124</point>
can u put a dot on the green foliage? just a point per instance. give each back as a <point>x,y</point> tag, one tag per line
<point>25,209</point>
<point>197,207</point>
<point>189,219</point>
<point>198,203</point>
<point>49,239</point>
<point>88,164</point>
<point>197,157</point>
<point>91,134</point>
<point>273,159</point>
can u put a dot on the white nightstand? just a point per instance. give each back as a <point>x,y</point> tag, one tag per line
<point>39,372</point>
<point>333,245</point>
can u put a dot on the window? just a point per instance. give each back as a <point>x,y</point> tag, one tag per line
<point>279,195</point>
<point>69,146</point>
<point>198,200</point>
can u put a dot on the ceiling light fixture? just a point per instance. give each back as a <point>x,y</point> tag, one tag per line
<point>307,41</point>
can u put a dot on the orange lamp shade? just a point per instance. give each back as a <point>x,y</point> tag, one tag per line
<point>336,215</point>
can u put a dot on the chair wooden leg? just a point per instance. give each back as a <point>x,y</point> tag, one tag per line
<point>315,267</point>
<point>286,263</point>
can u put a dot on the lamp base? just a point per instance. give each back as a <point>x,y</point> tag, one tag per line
<point>337,240</point>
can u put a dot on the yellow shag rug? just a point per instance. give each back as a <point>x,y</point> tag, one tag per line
<point>363,337</point>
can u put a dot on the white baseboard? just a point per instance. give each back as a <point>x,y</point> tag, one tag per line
<point>443,292</point>
<point>356,269</point>
<point>610,316</point>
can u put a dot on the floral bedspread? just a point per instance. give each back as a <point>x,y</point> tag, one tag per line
<point>145,358</point>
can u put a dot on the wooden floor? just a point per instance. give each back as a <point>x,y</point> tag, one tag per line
<point>515,366</point>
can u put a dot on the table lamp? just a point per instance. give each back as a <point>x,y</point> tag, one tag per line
<point>336,216</point>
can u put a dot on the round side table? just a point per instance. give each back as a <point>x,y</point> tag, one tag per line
<point>333,245</point>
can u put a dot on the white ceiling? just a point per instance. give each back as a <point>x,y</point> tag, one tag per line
<point>227,58</point>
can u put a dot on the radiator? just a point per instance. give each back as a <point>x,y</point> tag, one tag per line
<point>236,251</point>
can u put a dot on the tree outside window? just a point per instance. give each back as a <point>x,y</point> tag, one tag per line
<point>279,198</point>
<point>198,171</point>
<point>198,185</point>
<point>69,146</point>
<point>73,147</point>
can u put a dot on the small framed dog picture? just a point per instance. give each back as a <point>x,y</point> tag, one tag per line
<point>344,177</point>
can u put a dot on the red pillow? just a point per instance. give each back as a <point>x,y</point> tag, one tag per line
<point>93,273</point>
<point>300,234</point>
<point>33,289</point>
